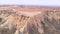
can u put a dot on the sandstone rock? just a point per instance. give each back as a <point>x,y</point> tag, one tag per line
<point>29,20</point>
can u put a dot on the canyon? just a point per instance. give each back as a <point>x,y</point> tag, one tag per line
<point>29,19</point>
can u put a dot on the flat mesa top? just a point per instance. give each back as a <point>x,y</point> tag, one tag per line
<point>28,10</point>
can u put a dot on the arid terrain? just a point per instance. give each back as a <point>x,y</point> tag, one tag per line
<point>29,19</point>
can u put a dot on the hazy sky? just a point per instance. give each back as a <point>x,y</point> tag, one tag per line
<point>31,2</point>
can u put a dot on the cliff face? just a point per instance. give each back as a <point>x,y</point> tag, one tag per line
<point>29,20</point>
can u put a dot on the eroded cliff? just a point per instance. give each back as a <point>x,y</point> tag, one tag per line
<point>29,20</point>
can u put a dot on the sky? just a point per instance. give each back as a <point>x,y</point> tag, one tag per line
<point>31,2</point>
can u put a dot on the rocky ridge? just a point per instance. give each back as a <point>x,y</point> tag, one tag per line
<point>29,20</point>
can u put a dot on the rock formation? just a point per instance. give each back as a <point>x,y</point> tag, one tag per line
<point>29,20</point>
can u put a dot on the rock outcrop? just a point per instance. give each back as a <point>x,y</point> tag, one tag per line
<point>29,20</point>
